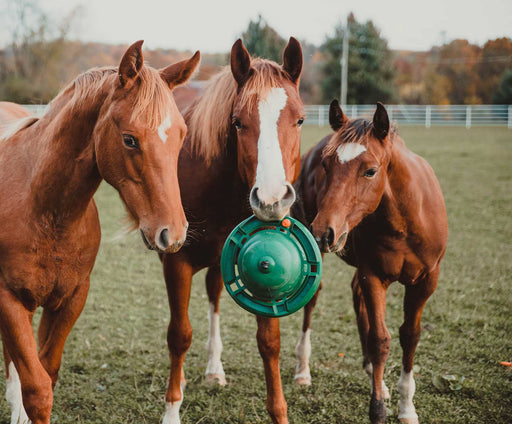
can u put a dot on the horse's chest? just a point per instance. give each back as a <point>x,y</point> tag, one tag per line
<point>48,272</point>
<point>393,260</point>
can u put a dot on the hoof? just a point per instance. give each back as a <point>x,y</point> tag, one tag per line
<point>409,421</point>
<point>302,381</point>
<point>219,379</point>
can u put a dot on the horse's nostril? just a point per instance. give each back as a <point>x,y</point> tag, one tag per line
<point>289,196</point>
<point>164,238</point>
<point>328,237</point>
<point>253,198</point>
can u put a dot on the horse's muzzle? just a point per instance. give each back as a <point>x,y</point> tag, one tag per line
<point>266,210</point>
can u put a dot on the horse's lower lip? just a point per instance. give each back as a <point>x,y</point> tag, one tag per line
<point>146,242</point>
<point>339,244</point>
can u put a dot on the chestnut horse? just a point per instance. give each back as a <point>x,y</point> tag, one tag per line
<point>121,125</point>
<point>242,152</point>
<point>379,207</point>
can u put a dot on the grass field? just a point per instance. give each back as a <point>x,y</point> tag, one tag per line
<point>115,364</point>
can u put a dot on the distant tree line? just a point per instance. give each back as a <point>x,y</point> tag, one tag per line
<point>40,59</point>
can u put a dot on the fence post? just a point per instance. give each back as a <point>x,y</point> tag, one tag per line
<point>427,116</point>
<point>468,116</point>
<point>509,121</point>
<point>320,116</point>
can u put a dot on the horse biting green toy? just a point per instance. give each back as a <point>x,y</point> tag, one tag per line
<point>271,268</point>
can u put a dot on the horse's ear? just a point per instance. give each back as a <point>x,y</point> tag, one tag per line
<point>131,64</point>
<point>381,122</point>
<point>240,62</point>
<point>180,72</point>
<point>292,60</point>
<point>337,118</point>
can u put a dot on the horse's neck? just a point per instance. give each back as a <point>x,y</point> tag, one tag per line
<point>65,174</point>
<point>398,198</point>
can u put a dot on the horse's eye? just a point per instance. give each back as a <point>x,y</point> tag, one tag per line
<point>237,123</point>
<point>300,122</point>
<point>130,141</point>
<point>370,172</point>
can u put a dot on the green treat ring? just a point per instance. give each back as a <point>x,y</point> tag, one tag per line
<point>271,269</point>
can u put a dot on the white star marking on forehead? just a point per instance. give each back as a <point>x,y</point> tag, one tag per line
<point>164,126</point>
<point>349,151</point>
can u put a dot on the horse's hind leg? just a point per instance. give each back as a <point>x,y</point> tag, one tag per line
<point>415,298</point>
<point>29,386</point>
<point>363,327</point>
<point>55,327</point>
<point>303,347</point>
<point>178,279</point>
<point>214,370</point>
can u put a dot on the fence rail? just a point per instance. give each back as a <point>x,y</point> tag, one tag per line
<point>427,115</point>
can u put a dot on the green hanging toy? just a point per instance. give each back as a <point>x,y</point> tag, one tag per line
<point>271,268</point>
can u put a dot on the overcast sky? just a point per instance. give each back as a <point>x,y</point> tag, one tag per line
<point>213,26</point>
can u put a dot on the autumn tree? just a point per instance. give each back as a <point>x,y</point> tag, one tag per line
<point>262,40</point>
<point>31,64</point>
<point>370,72</point>
<point>503,95</point>
<point>495,60</point>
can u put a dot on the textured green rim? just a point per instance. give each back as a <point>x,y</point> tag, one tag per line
<point>311,262</point>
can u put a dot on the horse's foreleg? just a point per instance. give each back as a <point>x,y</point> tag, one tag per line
<point>415,298</point>
<point>378,341</point>
<point>28,386</point>
<point>214,370</point>
<point>303,347</point>
<point>178,279</point>
<point>363,326</point>
<point>269,345</point>
<point>55,327</point>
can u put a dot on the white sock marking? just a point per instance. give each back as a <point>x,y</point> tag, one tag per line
<point>14,397</point>
<point>406,388</point>
<point>385,391</point>
<point>303,353</point>
<point>172,411</point>
<point>270,175</point>
<point>164,126</point>
<point>347,152</point>
<point>214,345</point>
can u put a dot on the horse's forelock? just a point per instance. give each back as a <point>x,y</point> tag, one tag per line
<point>208,117</point>
<point>152,101</point>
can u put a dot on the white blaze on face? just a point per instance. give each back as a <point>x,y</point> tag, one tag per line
<point>164,126</point>
<point>349,151</point>
<point>270,175</point>
<point>14,398</point>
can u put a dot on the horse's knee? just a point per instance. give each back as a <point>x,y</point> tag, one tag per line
<point>378,345</point>
<point>38,399</point>
<point>268,346</point>
<point>179,338</point>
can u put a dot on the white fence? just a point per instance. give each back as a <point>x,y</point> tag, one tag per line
<point>427,115</point>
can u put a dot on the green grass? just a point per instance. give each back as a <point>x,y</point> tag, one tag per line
<point>115,363</point>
